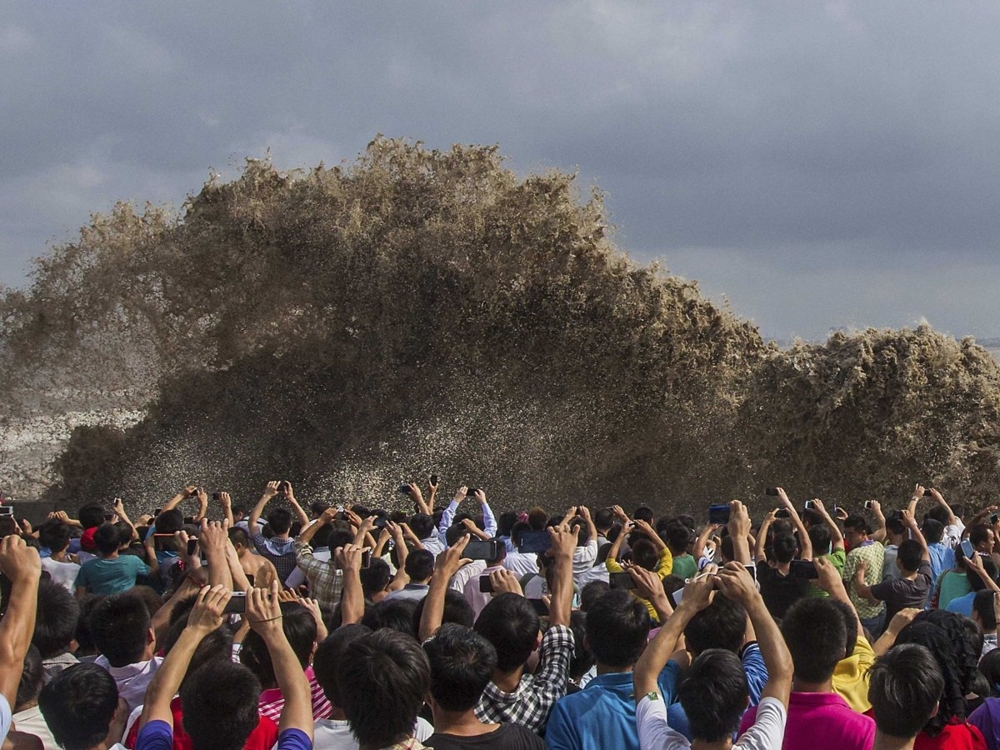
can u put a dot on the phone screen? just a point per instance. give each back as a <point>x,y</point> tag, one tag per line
<point>480,550</point>
<point>967,548</point>
<point>718,513</point>
<point>534,542</point>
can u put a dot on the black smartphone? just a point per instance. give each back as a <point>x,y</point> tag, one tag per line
<point>477,549</point>
<point>216,495</point>
<point>471,492</point>
<point>238,604</point>
<point>366,559</point>
<point>802,569</point>
<point>381,521</point>
<point>782,513</point>
<point>403,489</point>
<point>927,492</point>
<point>6,510</point>
<point>192,546</point>
<point>485,585</point>
<point>541,608</point>
<point>621,581</point>
<point>534,542</point>
<point>772,491</point>
<point>718,513</point>
<point>993,519</point>
<point>434,480</point>
<point>868,504</point>
<point>752,570</point>
<point>163,542</point>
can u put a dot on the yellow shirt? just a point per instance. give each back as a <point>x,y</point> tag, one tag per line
<point>665,567</point>
<point>850,678</point>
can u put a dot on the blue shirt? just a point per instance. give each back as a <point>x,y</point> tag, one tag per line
<point>962,605</point>
<point>111,576</point>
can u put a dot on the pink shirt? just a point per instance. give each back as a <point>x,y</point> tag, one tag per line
<point>821,721</point>
<point>272,701</point>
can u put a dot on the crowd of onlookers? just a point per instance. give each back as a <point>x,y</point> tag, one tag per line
<point>213,626</point>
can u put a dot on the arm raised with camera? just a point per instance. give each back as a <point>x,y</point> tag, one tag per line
<point>446,566</point>
<point>805,544</point>
<point>23,568</point>
<point>269,492</point>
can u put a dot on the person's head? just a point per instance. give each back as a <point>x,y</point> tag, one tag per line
<point>454,533</point>
<point>678,537</point>
<point>78,705</point>
<point>856,530</point>
<point>422,525</point>
<point>510,623</point>
<point>516,531</point>
<point>816,637</point>
<point>329,653</point>
<point>279,521</point>
<point>54,535</point>
<point>506,521</point>
<point>219,700</point>
<point>537,518</point>
<point>32,677</point>
<point>933,530</point>
<point>55,623</point>
<point>91,515</point>
<point>392,614</point>
<point>617,629</point>
<point>375,577</point>
<point>644,554</point>
<point>940,514</point>
<point>107,539</point>
<point>722,624</point>
<point>120,628</point>
<point>300,629</point>
<point>604,519</point>
<point>462,663</point>
<point>643,513</point>
<point>591,592</point>
<point>981,537</point>
<point>457,610</point>
<point>976,583</point>
<point>784,547</point>
<point>383,680</point>
<point>239,538</point>
<point>714,694</point>
<point>895,528</point>
<point>909,555</point>
<point>419,565</point>
<point>904,687</point>
<point>819,535</point>
<point>989,667</point>
<point>983,612</point>
<point>170,521</point>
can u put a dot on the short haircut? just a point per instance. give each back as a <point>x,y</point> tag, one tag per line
<point>989,667</point>
<point>516,530</point>
<point>940,514</point>
<point>722,624</point>
<point>457,610</point>
<point>979,534</point>
<point>816,637</point>
<point>904,687</point>
<point>422,525</point>
<point>78,705</point>
<point>933,530</point>
<point>857,523</point>
<point>850,616</point>
<point>339,538</point>
<point>54,535</point>
<point>645,555</point>
<point>604,518</point>
<point>510,623</point>
<point>219,700</point>
<point>299,626</point>
<point>895,525</point>
<point>55,624</point>
<point>419,564</point>
<point>384,677</point>
<point>678,536</point>
<point>279,520</point>
<point>713,692</point>
<point>119,626</point>
<point>506,521</point>
<point>909,554</point>
<point>392,614</point>
<point>375,577</point>
<point>537,518</point>
<point>591,592</point>
<point>462,663</point>
<point>643,513</point>
<point>107,538</point>
<point>982,604</point>
<point>32,677</point>
<point>784,547</point>
<point>326,662</point>
<point>617,628</point>
<point>819,535</point>
<point>169,521</point>
<point>239,537</point>
<point>455,532</point>
<point>91,515</point>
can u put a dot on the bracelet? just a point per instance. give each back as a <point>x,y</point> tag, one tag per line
<point>266,619</point>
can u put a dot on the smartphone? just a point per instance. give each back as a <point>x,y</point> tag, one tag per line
<point>216,495</point>
<point>994,518</point>
<point>434,480</point>
<point>967,549</point>
<point>477,549</point>
<point>541,608</point>
<point>6,510</point>
<point>366,559</point>
<point>192,546</point>
<point>238,604</point>
<point>534,542</point>
<point>676,597</point>
<point>162,542</point>
<point>471,492</point>
<point>809,504</point>
<point>621,581</point>
<point>927,492</point>
<point>803,569</point>
<point>718,513</point>
<point>485,585</point>
<point>403,489</point>
<point>868,504</point>
<point>157,511</point>
<point>752,570</point>
<point>771,491</point>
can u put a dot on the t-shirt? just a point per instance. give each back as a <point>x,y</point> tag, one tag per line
<point>850,677</point>
<point>655,734</point>
<point>685,566</point>
<point>901,593</point>
<point>837,558</point>
<point>31,721</point>
<point>956,736</point>
<point>778,591</point>
<point>263,736</point>
<point>873,554</point>
<point>962,605</point>
<point>950,585</point>
<point>157,735</point>
<point>504,737</point>
<point>987,719</point>
<point>335,734</point>
<point>821,721</point>
<point>63,573</point>
<point>112,576</point>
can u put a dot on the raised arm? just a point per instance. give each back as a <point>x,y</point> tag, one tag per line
<point>227,508</point>
<point>939,499</point>
<point>269,491</point>
<point>616,546</point>
<point>915,533</point>
<point>202,505</point>
<point>445,567</point>
<point>739,532</point>
<point>651,534</point>
<point>698,551</point>
<point>830,581</point>
<point>352,602</point>
<point>836,536</point>
<point>189,491</point>
<point>489,520</point>
<point>213,538</point>
<point>289,494</point>
<point>119,507</point>
<point>23,568</point>
<point>449,513</point>
<point>804,541</point>
<point>879,533</point>
<point>760,548</point>
<point>976,564</point>
<point>308,532</point>
<point>563,546</point>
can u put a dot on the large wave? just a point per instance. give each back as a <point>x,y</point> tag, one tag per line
<point>416,310</point>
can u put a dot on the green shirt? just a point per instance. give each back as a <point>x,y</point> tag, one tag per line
<point>838,557</point>
<point>111,576</point>
<point>685,566</point>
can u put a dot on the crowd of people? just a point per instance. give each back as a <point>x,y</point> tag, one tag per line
<point>451,627</point>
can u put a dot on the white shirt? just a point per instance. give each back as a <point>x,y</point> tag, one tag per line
<point>133,679</point>
<point>332,734</point>
<point>465,574</point>
<point>584,558</point>
<point>766,733</point>
<point>63,573</point>
<point>5,717</point>
<point>31,721</point>
<point>521,565</point>
<point>474,596</point>
<point>297,578</point>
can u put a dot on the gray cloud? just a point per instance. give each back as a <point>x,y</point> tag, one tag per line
<point>820,164</point>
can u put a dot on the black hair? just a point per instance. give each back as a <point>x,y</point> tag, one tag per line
<point>78,705</point>
<point>722,624</point>
<point>713,692</point>
<point>279,520</point>
<point>989,667</point>
<point>604,518</point>
<point>591,592</point>
<point>976,583</point>
<point>982,604</point>
<point>510,623</point>
<point>617,628</point>
<point>299,627</point>
<point>32,677</point>
<point>219,701</point>
<point>119,625</point>
<point>107,538</point>
<point>419,564</point>
<point>643,513</point>
<point>169,521</point>
<point>506,522</point>
<point>582,660</point>
<point>383,677</point>
<point>909,554</point>
<point>894,525</point>
<point>339,538</point>
<point>91,515</point>
<point>678,537</point>
<point>516,530</point>
<point>537,518</point>
<point>857,522</point>
<point>819,535</point>
<point>85,645</point>
<point>816,637</point>
<point>54,535</point>
<point>422,525</point>
<point>455,532</point>
<point>462,663</point>
<point>939,513</point>
<point>375,577</point>
<point>979,534</point>
<point>326,662</point>
<point>904,687</point>
<point>392,614</point>
<point>784,547</point>
<point>850,616</point>
<point>55,623</point>
<point>457,610</point>
<point>239,537</point>
<point>933,530</point>
<point>645,554</point>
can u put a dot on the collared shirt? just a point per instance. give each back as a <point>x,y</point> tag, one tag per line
<point>530,704</point>
<point>132,679</point>
<point>326,580</point>
<point>478,599</point>
<point>873,554</point>
<point>281,552</point>
<point>414,591</point>
<point>850,677</point>
<point>298,576</point>
<point>272,701</point>
<point>448,517</point>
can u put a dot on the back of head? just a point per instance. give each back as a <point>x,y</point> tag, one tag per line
<point>857,523</point>
<point>643,513</point>
<point>591,592</point>
<point>54,535</point>
<point>119,626</point>
<point>462,663</point>
<point>384,678</point>
<point>714,694</point>
<point>91,515</point>
<point>55,624</point>
<point>537,518</point>
<point>904,687</point>
<point>895,526</point>
<point>784,547</point>
<point>32,676</point>
<point>219,700</point>
<point>506,521</point>
<point>982,605</point>
<point>722,624</point>
<point>816,637</point>
<point>510,623</point>
<point>326,663</point>
<point>169,521</point>
<point>940,514</point>
<point>678,537</point>
<point>392,614</point>
<point>989,667</point>
<point>375,577</point>
<point>644,554</point>
<point>820,537</point>
<point>279,520</point>
<point>604,518</point>
<point>422,525</point>
<point>107,538</point>
<point>78,705</point>
<point>516,530</point>
<point>909,555</point>
<point>457,610</point>
<point>976,583</point>
<point>419,565</point>
<point>933,530</point>
<point>617,629</point>
<point>239,537</point>
<point>300,629</point>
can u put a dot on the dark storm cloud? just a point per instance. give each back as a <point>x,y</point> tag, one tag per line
<point>846,153</point>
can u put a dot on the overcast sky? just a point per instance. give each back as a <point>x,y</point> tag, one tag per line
<point>819,165</point>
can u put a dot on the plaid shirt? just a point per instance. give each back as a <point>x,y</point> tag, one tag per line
<point>326,580</point>
<point>537,693</point>
<point>873,554</point>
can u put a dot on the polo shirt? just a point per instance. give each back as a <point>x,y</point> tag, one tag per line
<point>850,678</point>
<point>821,721</point>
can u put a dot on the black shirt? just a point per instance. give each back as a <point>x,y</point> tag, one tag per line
<point>779,592</point>
<point>506,737</point>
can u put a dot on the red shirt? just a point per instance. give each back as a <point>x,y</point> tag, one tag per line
<point>263,737</point>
